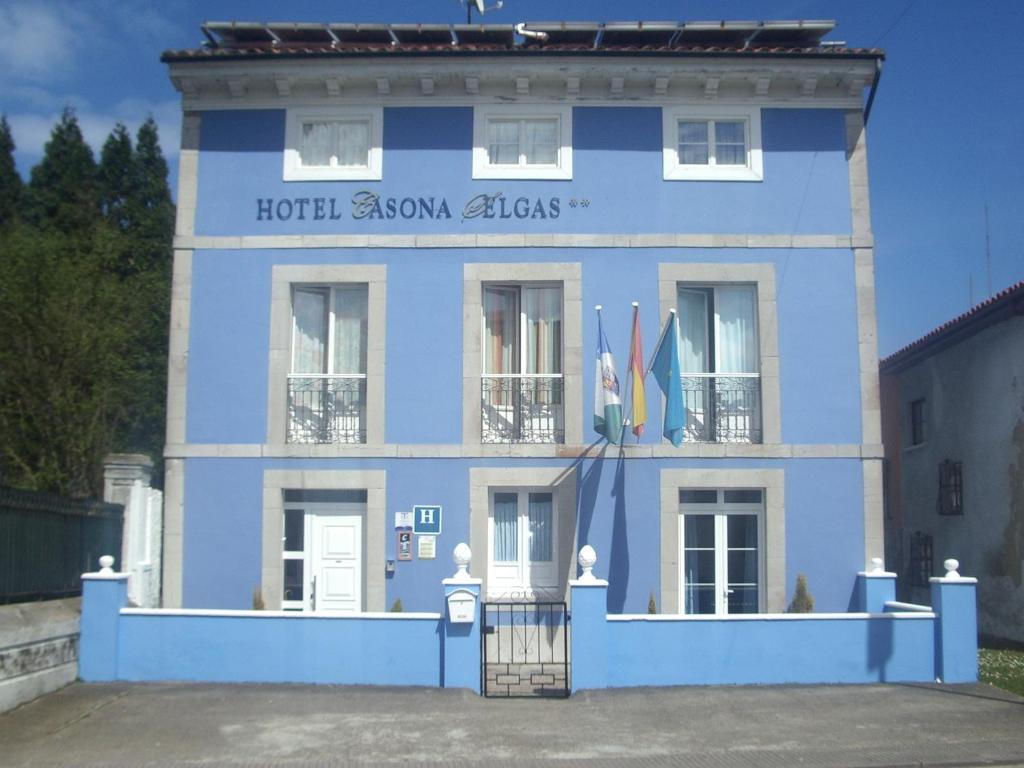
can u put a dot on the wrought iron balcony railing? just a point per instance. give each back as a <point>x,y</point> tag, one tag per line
<point>326,409</point>
<point>517,408</point>
<point>722,408</point>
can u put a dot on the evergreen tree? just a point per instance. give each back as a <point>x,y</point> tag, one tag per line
<point>152,212</point>
<point>62,192</point>
<point>116,178</point>
<point>10,181</point>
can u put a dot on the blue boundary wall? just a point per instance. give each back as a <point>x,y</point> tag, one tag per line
<point>884,641</point>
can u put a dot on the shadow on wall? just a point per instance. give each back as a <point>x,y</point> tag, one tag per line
<point>880,647</point>
<point>618,562</point>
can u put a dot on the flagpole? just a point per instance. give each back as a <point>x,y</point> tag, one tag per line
<point>629,379</point>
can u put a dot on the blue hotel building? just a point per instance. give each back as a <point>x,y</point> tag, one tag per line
<point>390,243</point>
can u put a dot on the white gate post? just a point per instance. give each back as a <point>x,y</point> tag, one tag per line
<point>126,481</point>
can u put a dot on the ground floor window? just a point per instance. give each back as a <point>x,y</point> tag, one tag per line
<point>523,544</point>
<point>322,549</point>
<point>722,535</point>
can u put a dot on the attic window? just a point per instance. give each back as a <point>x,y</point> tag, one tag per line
<point>332,145</point>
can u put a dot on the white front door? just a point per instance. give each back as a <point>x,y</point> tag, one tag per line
<point>522,546</point>
<point>323,556</point>
<point>337,562</point>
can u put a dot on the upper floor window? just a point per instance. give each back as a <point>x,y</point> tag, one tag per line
<point>917,422</point>
<point>951,488</point>
<point>321,145</point>
<point>522,143</point>
<point>720,362</point>
<point>521,381</point>
<point>723,144</point>
<point>327,383</point>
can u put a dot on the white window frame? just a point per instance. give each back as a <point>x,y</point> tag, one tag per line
<point>523,590</point>
<point>484,169</point>
<point>673,170</point>
<point>294,170</point>
<point>721,510</point>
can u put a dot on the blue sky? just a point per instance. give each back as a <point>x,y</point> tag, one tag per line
<point>945,135</point>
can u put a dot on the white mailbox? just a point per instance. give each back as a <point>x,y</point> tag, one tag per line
<point>461,607</point>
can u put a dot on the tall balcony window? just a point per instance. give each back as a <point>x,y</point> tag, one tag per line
<point>327,383</point>
<point>521,384</point>
<point>720,366</point>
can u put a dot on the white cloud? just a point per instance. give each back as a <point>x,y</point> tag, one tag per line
<point>41,42</point>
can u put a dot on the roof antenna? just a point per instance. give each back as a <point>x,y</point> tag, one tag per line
<point>988,255</point>
<point>480,7</point>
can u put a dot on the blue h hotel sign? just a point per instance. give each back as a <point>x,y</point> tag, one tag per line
<point>426,519</point>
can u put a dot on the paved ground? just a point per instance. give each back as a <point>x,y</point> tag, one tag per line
<point>279,725</point>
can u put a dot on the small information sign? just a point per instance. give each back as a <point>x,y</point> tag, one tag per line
<point>426,547</point>
<point>427,518</point>
<point>403,521</point>
<point>404,545</point>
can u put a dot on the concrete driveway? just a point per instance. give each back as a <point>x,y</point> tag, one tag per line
<point>275,725</point>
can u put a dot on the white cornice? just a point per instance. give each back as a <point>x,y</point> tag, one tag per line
<point>267,84</point>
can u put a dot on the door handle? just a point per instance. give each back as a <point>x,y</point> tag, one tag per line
<point>312,593</point>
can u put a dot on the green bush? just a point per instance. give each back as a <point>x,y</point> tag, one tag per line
<point>802,600</point>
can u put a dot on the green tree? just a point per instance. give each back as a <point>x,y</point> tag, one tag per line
<point>10,182</point>
<point>115,177</point>
<point>152,211</point>
<point>62,191</point>
<point>64,381</point>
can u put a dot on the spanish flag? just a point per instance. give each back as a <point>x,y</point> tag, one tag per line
<point>636,373</point>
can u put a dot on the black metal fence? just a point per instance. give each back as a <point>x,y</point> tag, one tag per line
<point>525,650</point>
<point>722,409</point>
<point>47,542</point>
<point>522,409</point>
<point>327,409</point>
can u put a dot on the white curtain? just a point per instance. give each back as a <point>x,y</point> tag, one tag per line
<point>540,528</point>
<point>730,143</point>
<point>350,329</point>
<point>736,330</point>
<point>543,309</point>
<point>693,328</point>
<point>309,345</point>
<point>506,528</point>
<point>503,142</point>
<point>540,142</point>
<point>347,142</point>
<point>693,142</point>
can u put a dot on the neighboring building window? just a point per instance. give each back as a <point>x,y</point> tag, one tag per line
<point>721,536</point>
<point>521,381</point>
<point>951,488</point>
<point>722,144</point>
<point>327,383</point>
<point>720,363</point>
<point>921,567</point>
<point>522,143</point>
<point>917,422</point>
<point>321,145</point>
<point>523,546</point>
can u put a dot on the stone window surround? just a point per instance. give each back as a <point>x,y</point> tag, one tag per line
<point>772,481</point>
<point>284,276</point>
<point>569,275</point>
<point>561,481</point>
<point>277,481</point>
<point>763,276</point>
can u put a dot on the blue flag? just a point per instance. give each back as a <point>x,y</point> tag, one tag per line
<point>666,367</point>
<point>607,402</point>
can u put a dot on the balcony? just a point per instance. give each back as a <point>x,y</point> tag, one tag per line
<point>722,408</point>
<point>326,409</point>
<point>518,408</point>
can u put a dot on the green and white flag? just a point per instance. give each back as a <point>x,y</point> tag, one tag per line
<point>607,402</point>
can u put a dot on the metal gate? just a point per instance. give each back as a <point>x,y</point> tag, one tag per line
<point>525,650</point>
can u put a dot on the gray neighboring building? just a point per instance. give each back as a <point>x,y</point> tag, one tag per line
<point>953,428</point>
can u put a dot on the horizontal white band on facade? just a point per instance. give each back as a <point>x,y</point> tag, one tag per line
<point>277,614</point>
<point>668,240</point>
<point>769,616</point>
<point>522,450</point>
